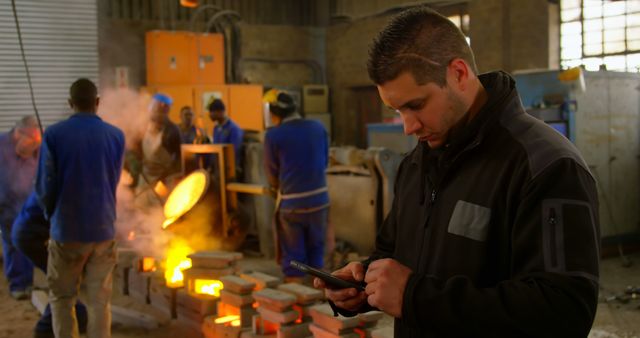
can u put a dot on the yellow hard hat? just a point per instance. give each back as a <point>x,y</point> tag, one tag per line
<point>271,96</point>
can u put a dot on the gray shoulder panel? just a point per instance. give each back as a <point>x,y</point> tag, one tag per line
<point>543,144</point>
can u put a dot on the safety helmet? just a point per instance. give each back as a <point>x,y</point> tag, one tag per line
<point>280,103</point>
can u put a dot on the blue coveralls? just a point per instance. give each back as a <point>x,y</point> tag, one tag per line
<point>29,234</point>
<point>296,157</point>
<point>229,132</point>
<point>16,182</point>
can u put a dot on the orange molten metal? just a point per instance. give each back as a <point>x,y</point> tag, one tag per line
<point>185,196</point>
<point>208,287</point>
<point>233,320</point>
<point>161,189</point>
<point>148,264</point>
<point>177,261</point>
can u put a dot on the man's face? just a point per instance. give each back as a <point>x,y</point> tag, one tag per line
<point>217,115</point>
<point>28,141</point>
<point>186,115</point>
<point>427,111</point>
<point>158,111</point>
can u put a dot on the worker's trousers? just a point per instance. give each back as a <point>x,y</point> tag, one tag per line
<point>70,263</point>
<point>302,238</point>
<point>17,267</point>
<point>32,242</point>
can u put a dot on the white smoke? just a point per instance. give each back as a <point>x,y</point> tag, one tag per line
<point>137,226</point>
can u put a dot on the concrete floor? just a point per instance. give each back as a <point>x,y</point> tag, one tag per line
<point>614,319</point>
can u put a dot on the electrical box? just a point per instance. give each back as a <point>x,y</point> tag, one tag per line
<point>168,58</point>
<point>245,106</point>
<point>184,58</point>
<point>315,99</point>
<point>208,65</point>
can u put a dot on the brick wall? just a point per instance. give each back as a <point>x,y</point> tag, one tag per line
<point>283,55</point>
<point>514,34</point>
<point>347,48</point>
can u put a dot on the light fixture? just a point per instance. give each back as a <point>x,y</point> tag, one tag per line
<point>189,3</point>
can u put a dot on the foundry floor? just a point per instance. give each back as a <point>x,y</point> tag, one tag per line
<point>613,320</point>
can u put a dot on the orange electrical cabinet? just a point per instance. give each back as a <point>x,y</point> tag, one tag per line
<point>245,106</point>
<point>208,52</point>
<point>169,57</point>
<point>184,58</point>
<point>181,96</point>
<point>203,95</point>
<point>243,102</point>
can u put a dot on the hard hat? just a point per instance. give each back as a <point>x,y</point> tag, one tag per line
<point>280,103</point>
<point>163,98</point>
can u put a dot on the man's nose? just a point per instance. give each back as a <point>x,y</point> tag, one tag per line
<point>411,124</point>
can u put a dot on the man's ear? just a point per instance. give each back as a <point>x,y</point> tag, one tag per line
<point>70,103</point>
<point>97,102</point>
<point>459,73</point>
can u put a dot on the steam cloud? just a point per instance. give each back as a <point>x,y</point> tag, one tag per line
<point>139,227</point>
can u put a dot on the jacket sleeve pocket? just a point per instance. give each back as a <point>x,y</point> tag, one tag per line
<point>560,219</point>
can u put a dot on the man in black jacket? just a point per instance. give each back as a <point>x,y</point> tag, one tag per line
<point>494,226</point>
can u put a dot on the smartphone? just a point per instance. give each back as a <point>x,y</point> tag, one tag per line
<point>332,281</point>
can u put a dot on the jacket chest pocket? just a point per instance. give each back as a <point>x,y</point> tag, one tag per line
<point>470,220</point>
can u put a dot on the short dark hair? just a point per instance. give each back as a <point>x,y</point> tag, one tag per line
<point>83,94</point>
<point>216,105</point>
<point>185,108</point>
<point>284,106</point>
<point>420,41</point>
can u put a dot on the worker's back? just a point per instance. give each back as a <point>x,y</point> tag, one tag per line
<point>299,148</point>
<point>79,170</point>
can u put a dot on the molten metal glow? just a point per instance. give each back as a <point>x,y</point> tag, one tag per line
<point>298,309</point>
<point>176,262</point>
<point>185,195</point>
<point>227,319</point>
<point>235,323</point>
<point>161,189</point>
<point>208,287</point>
<point>148,264</point>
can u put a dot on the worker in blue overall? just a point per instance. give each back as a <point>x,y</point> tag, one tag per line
<point>225,130</point>
<point>30,234</point>
<point>18,158</point>
<point>296,153</point>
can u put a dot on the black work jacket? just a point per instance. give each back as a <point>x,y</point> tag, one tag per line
<point>500,229</point>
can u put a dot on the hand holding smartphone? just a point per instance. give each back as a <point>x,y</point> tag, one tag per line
<point>330,280</point>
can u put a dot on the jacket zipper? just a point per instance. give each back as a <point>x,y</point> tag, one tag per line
<point>552,237</point>
<point>434,195</point>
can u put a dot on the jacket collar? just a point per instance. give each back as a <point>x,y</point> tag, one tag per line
<point>86,114</point>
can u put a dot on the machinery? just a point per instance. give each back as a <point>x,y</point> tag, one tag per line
<point>545,97</point>
<point>204,207</point>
